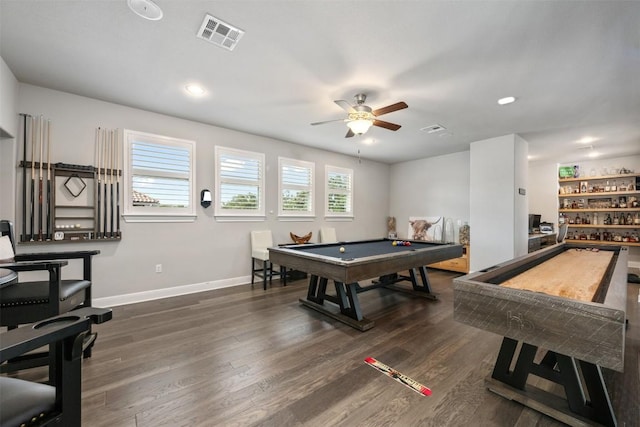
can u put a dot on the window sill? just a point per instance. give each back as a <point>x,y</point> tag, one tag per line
<point>159,218</point>
<point>339,218</point>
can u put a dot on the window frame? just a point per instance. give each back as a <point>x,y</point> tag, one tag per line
<point>133,213</point>
<point>328,169</point>
<point>239,214</point>
<point>283,162</point>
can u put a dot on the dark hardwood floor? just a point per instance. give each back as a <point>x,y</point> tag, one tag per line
<point>247,357</point>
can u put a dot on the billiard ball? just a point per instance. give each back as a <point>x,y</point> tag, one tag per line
<point>394,243</point>
<point>341,249</point>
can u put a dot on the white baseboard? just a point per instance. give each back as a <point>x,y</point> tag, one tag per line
<point>169,292</point>
<point>634,264</point>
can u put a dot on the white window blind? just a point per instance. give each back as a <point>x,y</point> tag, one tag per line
<point>296,182</point>
<point>161,172</point>
<point>240,183</point>
<point>339,191</point>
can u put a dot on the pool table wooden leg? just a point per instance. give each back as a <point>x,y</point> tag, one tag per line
<point>346,298</point>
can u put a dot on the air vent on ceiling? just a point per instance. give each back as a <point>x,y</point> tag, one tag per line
<point>433,128</point>
<point>219,32</point>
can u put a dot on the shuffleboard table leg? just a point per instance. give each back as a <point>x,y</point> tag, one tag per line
<point>560,369</point>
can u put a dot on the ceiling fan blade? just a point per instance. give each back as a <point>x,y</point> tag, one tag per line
<point>328,121</point>
<point>345,105</point>
<point>349,134</point>
<point>390,108</point>
<point>386,125</point>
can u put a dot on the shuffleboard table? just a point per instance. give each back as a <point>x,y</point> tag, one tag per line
<point>361,260</point>
<point>566,307</point>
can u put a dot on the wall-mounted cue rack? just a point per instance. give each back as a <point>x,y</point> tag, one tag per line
<point>64,202</point>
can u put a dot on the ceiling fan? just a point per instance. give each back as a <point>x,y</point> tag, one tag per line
<point>361,117</point>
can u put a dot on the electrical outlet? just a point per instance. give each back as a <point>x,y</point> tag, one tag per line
<point>158,268</point>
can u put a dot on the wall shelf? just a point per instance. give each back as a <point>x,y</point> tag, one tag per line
<point>585,200</point>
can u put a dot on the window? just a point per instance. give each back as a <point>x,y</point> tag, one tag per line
<point>240,183</point>
<point>339,191</point>
<point>296,187</point>
<point>160,177</point>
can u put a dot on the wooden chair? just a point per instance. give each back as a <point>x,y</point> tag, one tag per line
<point>261,241</point>
<point>26,403</point>
<point>23,302</point>
<point>328,235</point>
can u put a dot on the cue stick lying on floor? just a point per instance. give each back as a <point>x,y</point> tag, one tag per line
<point>401,378</point>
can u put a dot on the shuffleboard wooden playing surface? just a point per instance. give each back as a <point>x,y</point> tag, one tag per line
<point>575,274</point>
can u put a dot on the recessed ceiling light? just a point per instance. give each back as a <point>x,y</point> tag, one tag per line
<point>195,90</point>
<point>593,154</point>
<point>587,140</point>
<point>506,100</point>
<point>146,9</point>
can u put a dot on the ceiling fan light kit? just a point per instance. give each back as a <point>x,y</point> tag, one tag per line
<point>361,117</point>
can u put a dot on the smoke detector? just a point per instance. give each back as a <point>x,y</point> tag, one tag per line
<point>145,9</point>
<point>220,33</point>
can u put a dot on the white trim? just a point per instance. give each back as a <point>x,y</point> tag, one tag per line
<point>240,218</point>
<point>159,218</point>
<point>290,218</point>
<point>249,155</point>
<point>149,213</point>
<point>174,291</point>
<point>311,167</point>
<point>351,193</point>
<point>634,264</point>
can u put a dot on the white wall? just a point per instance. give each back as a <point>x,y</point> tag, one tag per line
<point>207,253</point>
<point>521,202</point>
<point>498,233</point>
<point>543,192</point>
<point>8,139</point>
<point>436,186</point>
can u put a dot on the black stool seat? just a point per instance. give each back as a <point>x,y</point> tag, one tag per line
<point>19,398</point>
<point>38,292</point>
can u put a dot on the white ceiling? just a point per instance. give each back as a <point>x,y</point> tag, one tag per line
<point>574,67</point>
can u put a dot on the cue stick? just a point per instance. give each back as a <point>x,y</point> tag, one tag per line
<point>104,201</point>
<point>112,142</point>
<point>117,186</point>
<point>99,181</point>
<point>23,238</point>
<point>33,177</point>
<point>41,137</point>
<point>48,236</point>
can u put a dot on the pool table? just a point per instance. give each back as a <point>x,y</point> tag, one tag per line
<point>569,301</point>
<point>361,260</point>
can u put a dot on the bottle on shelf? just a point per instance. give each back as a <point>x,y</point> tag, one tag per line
<point>607,187</point>
<point>587,220</point>
<point>616,220</point>
<point>595,218</point>
<point>614,187</point>
<point>578,220</point>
